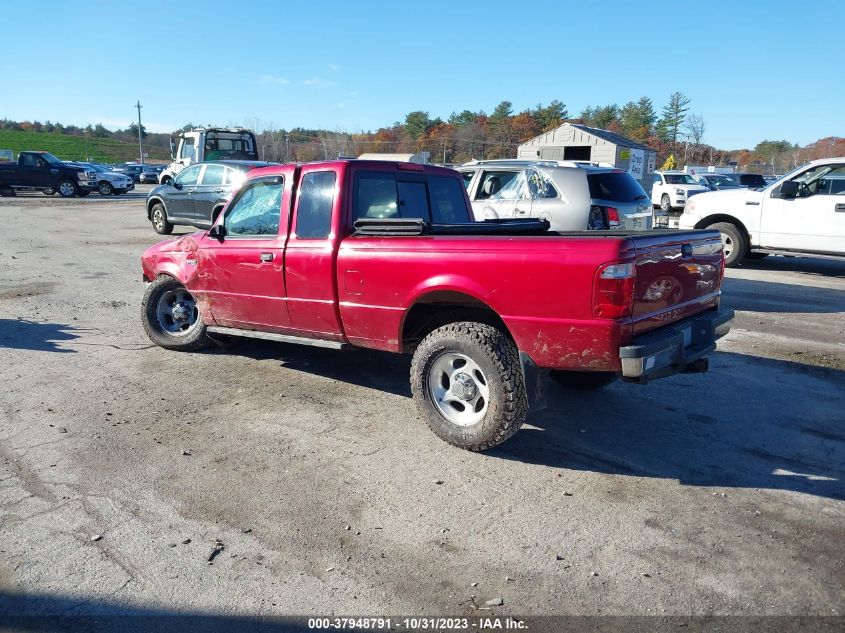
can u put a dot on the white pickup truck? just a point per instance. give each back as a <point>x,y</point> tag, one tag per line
<point>803,212</point>
<point>670,191</point>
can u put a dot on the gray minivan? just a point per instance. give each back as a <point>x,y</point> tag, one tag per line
<point>572,196</point>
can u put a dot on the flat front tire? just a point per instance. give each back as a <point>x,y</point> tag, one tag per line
<point>171,317</point>
<point>468,386</point>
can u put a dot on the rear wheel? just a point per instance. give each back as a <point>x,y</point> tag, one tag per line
<point>48,191</point>
<point>583,380</point>
<point>171,317</point>
<point>733,242</point>
<point>105,188</point>
<point>158,216</point>
<point>6,191</point>
<point>67,189</point>
<point>468,385</point>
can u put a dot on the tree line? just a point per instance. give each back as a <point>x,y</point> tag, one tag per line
<point>673,130</point>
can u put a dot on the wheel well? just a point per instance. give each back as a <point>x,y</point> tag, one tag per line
<point>441,308</point>
<point>719,217</point>
<point>150,204</point>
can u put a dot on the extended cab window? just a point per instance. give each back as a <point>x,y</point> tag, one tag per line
<point>255,211</point>
<point>314,211</point>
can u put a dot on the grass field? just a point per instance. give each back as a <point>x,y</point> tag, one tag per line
<point>77,147</point>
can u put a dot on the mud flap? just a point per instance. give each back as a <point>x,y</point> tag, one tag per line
<point>535,381</point>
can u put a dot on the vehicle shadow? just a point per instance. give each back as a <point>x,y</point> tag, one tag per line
<point>41,337</point>
<point>363,367</point>
<point>807,265</point>
<point>706,430</point>
<point>766,296</point>
<point>46,613</point>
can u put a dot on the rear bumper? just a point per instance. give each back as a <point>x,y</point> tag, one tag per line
<point>680,347</point>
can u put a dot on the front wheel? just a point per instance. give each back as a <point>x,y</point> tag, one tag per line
<point>665,203</point>
<point>67,189</point>
<point>468,386</point>
<point>105,188</point>
<point>734,243</point>
<point>158,216</point>
<point>171,317</point>
<point>583,380</point>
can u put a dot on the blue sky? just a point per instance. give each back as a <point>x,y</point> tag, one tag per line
<point>753,70</point>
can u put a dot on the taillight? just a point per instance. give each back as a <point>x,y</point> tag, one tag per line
<point>613,291</point>
<point>612,217</point>
<point>603,218</point>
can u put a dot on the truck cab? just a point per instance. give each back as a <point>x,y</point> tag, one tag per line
<point>42,170</point>
<point>203,144</point>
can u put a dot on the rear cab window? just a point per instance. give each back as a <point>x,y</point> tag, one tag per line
<point>615,186</point>
<point>433,198</point>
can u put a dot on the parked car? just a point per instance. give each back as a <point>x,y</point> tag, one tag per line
<point>670,192</point>
<point>572,196</point>
<point>140,173</point>
<point>716,182</point>
<point>42,170</point>
<point>196,195</point>
<point>108,182</point>
<point>751,181</point>
<point>803,212</point>
<point>383,255</point>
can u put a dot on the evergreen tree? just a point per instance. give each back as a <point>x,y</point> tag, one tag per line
<point>674,113</point>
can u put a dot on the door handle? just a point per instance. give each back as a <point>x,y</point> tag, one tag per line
<point>218,190</point>
<point>266,257</point>
<point>840,208</point>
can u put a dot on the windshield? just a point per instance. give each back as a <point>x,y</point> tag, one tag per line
<point>679,179</point>
<point>723,182</point>
<point>222,145</point>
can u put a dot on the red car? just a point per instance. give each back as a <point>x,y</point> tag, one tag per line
<point>385,255</point>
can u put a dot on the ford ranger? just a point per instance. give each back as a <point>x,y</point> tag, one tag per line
<point>42,170</point>
<point>384,255</point>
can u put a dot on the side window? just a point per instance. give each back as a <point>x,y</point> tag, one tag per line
<point>29,160</point>
<point>514,190</point>
<point>314,210</point>
<point>413,199</point>
<point>256,210</point>
<point>189,176</point>
<point>657,179</point>
<point>494,181</point>
<point>375,196</point>
<point>448,204</point>
<point>826,180</point>
<point>187,148</point>
<point>540,186</point>
<point>213,175</point>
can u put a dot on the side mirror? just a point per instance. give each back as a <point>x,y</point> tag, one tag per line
<point>176,185</point>
<point>218,232</point>
<point>788,189</point>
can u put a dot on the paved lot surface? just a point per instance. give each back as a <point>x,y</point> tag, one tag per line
<point>718,493</point>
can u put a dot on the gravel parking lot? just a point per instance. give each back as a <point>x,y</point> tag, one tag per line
<point>123,464</point>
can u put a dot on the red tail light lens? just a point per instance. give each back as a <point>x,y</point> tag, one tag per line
<point>613,291</point>
<point>612,217</point>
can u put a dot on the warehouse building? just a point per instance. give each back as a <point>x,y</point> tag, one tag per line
<point>573,141</point>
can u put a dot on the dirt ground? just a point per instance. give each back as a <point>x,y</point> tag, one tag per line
<point>121,464</point>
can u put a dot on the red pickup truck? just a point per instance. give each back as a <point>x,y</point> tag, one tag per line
<point>385,255</point>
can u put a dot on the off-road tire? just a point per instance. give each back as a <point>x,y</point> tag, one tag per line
<point>195,340</point>
<point>735,243</point>
<point>498,358</point>
<point>158,216</point>
<point>65,192</point>
<point>583,380</point>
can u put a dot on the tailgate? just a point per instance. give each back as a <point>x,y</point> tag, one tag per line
<point>678,274</point>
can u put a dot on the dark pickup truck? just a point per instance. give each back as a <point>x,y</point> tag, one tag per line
<point>42,170</point>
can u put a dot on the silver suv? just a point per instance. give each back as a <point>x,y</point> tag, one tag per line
<point>571,195</point>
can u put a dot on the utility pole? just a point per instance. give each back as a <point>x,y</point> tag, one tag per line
<point>140,141</point>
